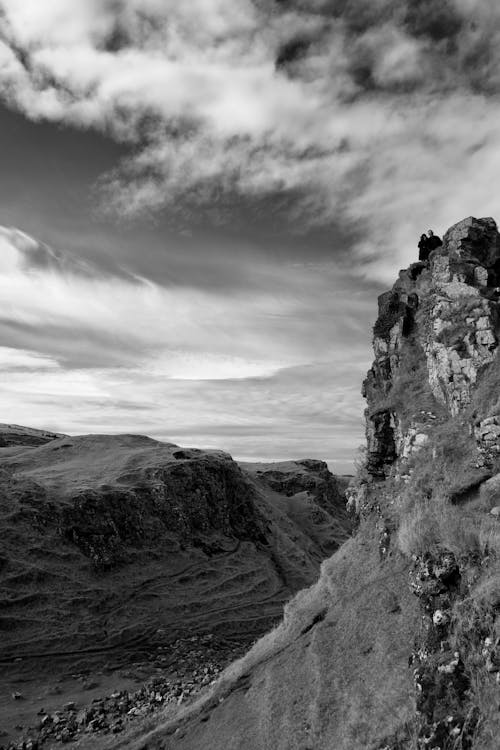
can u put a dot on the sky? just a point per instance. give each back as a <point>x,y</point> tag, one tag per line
<point>200,202</point>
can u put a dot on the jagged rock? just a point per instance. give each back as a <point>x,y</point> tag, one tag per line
<point>448,311</point>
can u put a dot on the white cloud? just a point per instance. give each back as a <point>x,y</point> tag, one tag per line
<point>191,329</point>
<point>85,353</point>
<point>374,120</point>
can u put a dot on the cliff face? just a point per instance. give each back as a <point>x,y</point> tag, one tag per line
<point>436,332</point>
<point>397,645</point>
<point>431,476</point>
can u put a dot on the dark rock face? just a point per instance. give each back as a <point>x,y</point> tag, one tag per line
<point>200,502</point>
<point>381,437</point>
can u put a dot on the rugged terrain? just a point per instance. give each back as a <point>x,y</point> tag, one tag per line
<point>397,645</point>
<point>125,560</point>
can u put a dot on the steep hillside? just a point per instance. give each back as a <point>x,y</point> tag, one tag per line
<point>311,497</point>
<point>397,646</point>
<point>123,557</point>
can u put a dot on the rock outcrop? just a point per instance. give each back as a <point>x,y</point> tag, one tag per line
<point>435,334</point>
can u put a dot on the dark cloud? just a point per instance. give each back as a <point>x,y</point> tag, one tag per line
<point>436,21</point>
<point>291,51</point>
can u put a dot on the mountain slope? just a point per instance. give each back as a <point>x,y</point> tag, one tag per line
<point>116,547</point>
<point>333,674</point>
<point>397,646</point>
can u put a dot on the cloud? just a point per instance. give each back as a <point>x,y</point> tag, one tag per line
<point>368,114</point>
<point>272,370</point>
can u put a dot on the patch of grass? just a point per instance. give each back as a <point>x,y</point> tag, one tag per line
<point>486,398</point>
<point>390,311</point>
<point>410,392</point>
<point>444,467</point>
<point>489,537</point>
<point>489,493</point>
<point>445,503</point>
<point>486,593</point>
<point>436,525</point>
<point>474,619</point>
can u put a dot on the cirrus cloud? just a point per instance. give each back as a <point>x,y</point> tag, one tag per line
<point>256,372</point>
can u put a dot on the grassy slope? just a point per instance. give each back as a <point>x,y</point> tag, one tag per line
<point>333,674</point>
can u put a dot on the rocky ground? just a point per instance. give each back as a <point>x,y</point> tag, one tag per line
<point>172,674</point>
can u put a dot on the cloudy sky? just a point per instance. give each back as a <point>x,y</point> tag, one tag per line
<point>200,201</point>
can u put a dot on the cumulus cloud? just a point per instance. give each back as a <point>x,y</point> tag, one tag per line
<point>371,114</point>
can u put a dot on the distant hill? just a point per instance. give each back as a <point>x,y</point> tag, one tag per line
<point>14,434</point>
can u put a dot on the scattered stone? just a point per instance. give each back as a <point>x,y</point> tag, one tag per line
<point>200,658</point>
<point>439,618</point>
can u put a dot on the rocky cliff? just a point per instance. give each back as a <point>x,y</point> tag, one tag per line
<point>435,334</point>
<point>397,645</point>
